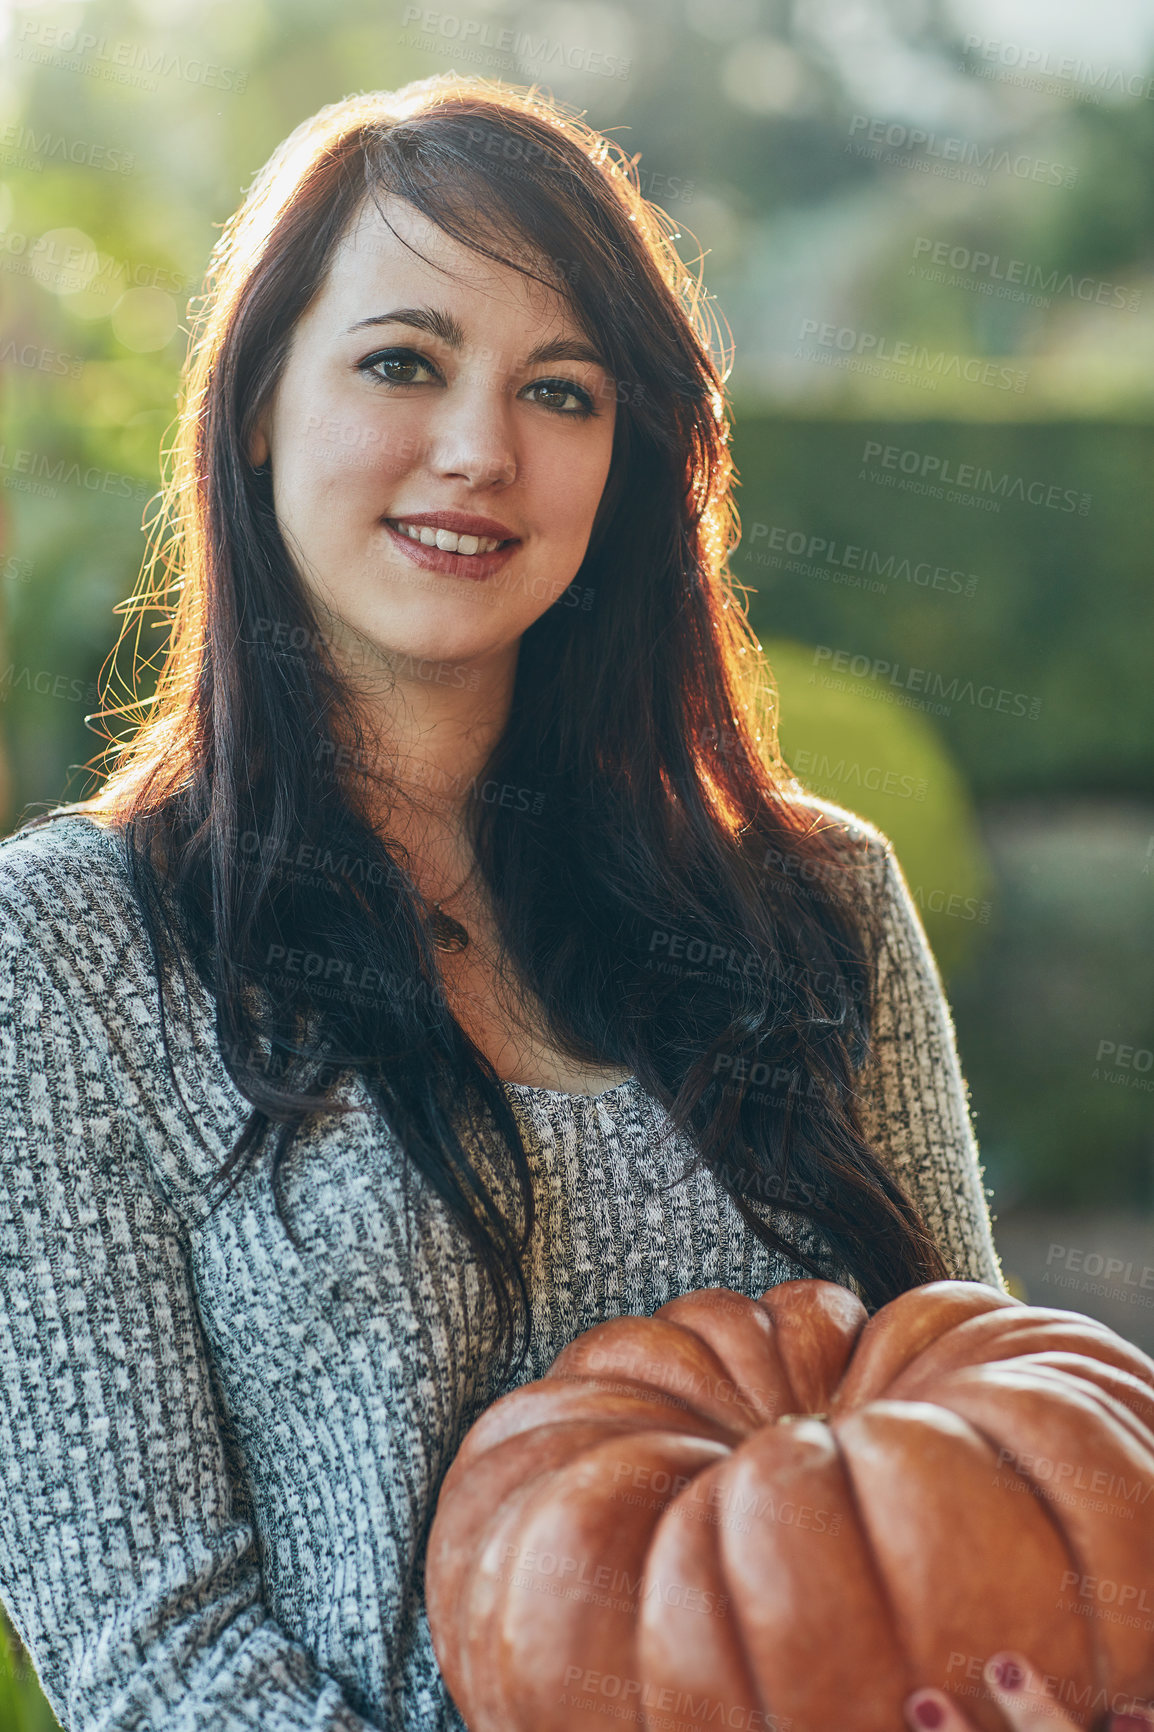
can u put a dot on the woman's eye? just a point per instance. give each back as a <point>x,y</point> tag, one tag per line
<point>402,358</point>
<point>395,367</point>
<point>562,388</point>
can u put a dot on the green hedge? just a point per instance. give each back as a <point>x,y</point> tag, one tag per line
<point>1061,612</point>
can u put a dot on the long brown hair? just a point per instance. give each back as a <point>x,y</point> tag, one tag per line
<point>670,901</point>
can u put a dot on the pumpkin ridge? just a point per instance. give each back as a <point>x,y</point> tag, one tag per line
<point>714,1370</point>
<point>1096,1392</point>
<point>672,1532</point>
<point>507,1417</point>
<point>1051,1381</point>
<point>482,1605</point>
<point>1051,1513</point>
<point>757,1339</point>
<point>742,1632</point>
<point>1113,1543</point>
<point>884,1591</point>
<point>629,1548</point>
<point>898,1334</point>
<point>985,1338</point>
<point>956,1429</point>
<point>774,1572</point>
<point>1110,1378</point>
<point>636,1389</point>
<point>816,1328</point>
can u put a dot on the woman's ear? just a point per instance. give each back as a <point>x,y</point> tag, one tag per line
<point>257,440</point>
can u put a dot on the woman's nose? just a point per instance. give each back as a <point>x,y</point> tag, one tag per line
<point>471,435</point>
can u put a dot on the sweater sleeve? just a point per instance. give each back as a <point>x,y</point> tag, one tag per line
<point>127,1563</point>
<point>914,1098</point>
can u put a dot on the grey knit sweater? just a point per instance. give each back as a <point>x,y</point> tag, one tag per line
<point>219,1460</point>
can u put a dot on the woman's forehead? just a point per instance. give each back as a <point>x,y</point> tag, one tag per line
<point>376,258</point>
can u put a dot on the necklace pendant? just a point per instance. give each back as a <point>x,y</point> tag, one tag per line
<point>448,934</point>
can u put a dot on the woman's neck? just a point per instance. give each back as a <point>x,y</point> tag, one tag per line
<point>430,727</point>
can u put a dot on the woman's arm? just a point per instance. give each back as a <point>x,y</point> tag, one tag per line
<point>126,1562</point>
<point>913,1096</point>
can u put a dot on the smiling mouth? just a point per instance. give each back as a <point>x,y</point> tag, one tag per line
<point>447,540</point>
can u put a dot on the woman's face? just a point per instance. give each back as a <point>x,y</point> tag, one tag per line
<point>408,393</point>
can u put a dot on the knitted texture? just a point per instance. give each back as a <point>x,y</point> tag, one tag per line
<point>219,1458</point>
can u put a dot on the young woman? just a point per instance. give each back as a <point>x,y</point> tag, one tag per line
<point>451,902</point>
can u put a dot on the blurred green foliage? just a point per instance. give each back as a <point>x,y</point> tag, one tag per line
<point>1062,609</point>
<point>22,1704</point>
<point>1055,1012</point>
<point>889,765</point>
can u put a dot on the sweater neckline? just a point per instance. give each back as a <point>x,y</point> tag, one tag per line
<point>630,1082</point>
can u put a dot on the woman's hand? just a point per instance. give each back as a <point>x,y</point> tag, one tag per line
<point>1021,1694</point>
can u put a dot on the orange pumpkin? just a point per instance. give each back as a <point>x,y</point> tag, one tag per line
<point>783,1514</point>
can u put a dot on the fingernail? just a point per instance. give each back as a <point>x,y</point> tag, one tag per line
<point>929,1713</point>
<point>1007,1674</point>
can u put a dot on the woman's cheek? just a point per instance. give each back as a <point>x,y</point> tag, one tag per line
<point>368,453</point>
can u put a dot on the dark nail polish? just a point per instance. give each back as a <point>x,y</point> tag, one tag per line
<point>929,1713</point>
<point>1008,1676</point>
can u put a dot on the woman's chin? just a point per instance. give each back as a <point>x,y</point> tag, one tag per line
<point>432,643</point>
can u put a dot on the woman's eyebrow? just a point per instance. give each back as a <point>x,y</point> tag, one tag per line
<point>442,324</point>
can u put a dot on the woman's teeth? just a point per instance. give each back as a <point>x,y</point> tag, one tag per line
<point>445,539</point>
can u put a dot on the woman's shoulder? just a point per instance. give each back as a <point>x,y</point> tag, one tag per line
<point>862,839</point>
<point>69,851</point>
<point>65,888</point>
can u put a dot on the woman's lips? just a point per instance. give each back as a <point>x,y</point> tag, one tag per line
<point>476,566</point>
